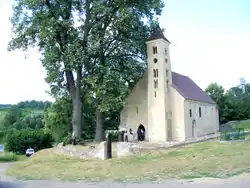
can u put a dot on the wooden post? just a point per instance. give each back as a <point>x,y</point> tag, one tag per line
<point>109,147</point>
<point>126,136</point>
<point>74,141</point>
<point>121,136</point>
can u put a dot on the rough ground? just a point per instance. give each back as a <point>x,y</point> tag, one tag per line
<point>242,181</point>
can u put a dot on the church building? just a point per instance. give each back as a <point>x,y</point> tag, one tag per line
<point>165,105</point>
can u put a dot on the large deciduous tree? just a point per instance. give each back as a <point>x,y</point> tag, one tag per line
<point>62,30</point>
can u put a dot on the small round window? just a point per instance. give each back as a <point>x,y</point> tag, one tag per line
<point>155,60</point>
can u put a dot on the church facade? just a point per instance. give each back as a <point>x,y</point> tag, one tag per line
<point>165,105</point>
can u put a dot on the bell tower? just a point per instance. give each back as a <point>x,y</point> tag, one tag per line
<point>159,82</point>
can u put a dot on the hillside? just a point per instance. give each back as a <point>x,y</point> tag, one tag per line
<point>3,111</point>
<point>22,110</point>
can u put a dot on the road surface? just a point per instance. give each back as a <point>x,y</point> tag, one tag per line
<point>242,181</point>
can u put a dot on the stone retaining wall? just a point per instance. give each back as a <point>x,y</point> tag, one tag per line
<point>95,152</point>
<point>130,148</point>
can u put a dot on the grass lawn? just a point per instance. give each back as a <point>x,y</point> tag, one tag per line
<point>245,125</point>
<point>206,159</point>
<point>10,157</point>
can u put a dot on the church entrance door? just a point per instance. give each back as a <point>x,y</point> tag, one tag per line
<point>141,133</point>
<point>193,128</point>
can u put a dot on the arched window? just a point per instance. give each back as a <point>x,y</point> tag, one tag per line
<point>154,50</point>
<point>156,83</point>
<point>167,73</point>
<point>155,73</point>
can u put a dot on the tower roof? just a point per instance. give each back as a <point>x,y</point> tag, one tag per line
<point>157,34</point>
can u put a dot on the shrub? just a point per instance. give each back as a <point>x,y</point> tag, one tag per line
<point>113,135</point>
<point>225,136</point>
<point>4,133</point>
<point>2,136</point>
<point>19,140</point>
<point>67,140</point>
<point>7,157</point>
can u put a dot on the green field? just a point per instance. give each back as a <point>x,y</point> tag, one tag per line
<point>245,125</point>
<point>10,157</point>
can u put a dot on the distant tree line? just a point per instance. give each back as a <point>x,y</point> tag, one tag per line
<point>234,104</point>
<point>26,114</point>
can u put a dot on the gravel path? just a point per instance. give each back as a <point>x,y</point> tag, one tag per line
<point>242,181</point>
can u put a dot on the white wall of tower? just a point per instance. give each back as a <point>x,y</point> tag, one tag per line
<point>159,80</point>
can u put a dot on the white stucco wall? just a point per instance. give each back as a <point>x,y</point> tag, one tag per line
<point>135,111</point>
<point>158,96</point>
<point>206,124</point>
<point>178,122</point>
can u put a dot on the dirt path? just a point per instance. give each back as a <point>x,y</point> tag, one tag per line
<point>242,181</point>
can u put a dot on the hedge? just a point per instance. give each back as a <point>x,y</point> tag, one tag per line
<point>19,140</point>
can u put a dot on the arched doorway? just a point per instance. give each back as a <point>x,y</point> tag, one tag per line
<point>141,133</point>
<point>193,127</point>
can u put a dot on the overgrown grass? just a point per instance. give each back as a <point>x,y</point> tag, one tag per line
<point>207,159</point>
<point>245,125</point>
<point>10,157</point>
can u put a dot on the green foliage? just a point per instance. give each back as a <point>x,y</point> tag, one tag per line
<point>234,104</point>
<point>33,104</point>
<point>234,134</point>
<point>113,136</point>
<point>67,140</point>
<point>243,124</point>
<point>58,118</point>
<point>18,141</point>
<point>102,50</point>
<point>4,133</point>
<point>27,114</point>
<point>8,157</point>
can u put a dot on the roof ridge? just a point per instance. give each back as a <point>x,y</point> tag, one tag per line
<point>189,89</point>
<point>180,74</point>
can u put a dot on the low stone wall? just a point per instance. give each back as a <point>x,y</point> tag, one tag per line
<point>129,148</point>
<point>95,152</point>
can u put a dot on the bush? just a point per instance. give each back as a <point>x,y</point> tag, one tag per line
<point>7,157</point>
<point>113,136</point>
<point>67,140</point>
<point>225,136</point>
<point>19,140</point>
<point>2,134</point>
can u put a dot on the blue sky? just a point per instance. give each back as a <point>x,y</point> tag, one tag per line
<point>210,43</point>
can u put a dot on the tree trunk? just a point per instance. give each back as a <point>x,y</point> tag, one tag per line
<point>74,90</point>
<point>77,117</point>
<point>99,131</point>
